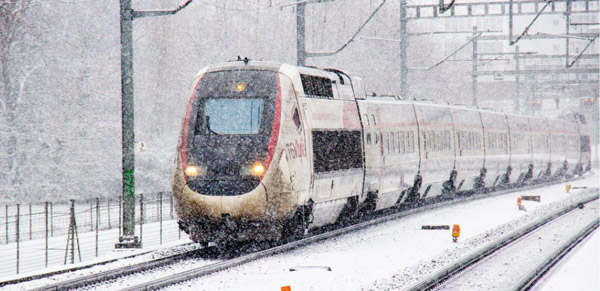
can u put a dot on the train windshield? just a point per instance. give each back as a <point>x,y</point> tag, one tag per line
<point>235,103</point>
<point>232,116</point>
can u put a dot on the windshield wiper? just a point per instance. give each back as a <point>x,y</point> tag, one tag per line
<point>208,126</point>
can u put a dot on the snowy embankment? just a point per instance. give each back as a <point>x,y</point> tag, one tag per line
<point>511,266</point>
<point>395,254</point>
<point>580,268</point>
<point>392,255</point>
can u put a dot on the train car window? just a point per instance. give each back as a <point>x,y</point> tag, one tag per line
<point>336,150</point>
<point>411,141</point>
<point>317,87</point>
<point>585,144</point>
<point>387,142</point>
<point>374,121</point>
<point>296,118</point>
<point>368,138</point>
<point>401,142</point>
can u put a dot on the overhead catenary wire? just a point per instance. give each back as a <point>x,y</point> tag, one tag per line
<point>455,52</point>
<point>323,54</point>
<point>511,42</point>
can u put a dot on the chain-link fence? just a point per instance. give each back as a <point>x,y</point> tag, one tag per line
<point>39,235</point>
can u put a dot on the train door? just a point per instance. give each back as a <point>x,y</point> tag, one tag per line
<point>374,159</point>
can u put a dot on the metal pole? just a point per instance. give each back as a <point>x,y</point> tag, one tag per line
<point>403,50</point>
<point>97,222</point>
<point>51,219</point>
<point>6,220</point>
<point>474,72</point>
<point>141,215</point>
<point>30,216</point>
<point>91,216</point>
<point>568,23</point>
<point>160,215</point>
<point>128,238</point>
<point>300,33</point>
<point>108,212</point>
<point>120,215</point>
<point>18,234</point>
<point>171,205</point>
<point>72,232</point>
<point>510,22</point>
<point>517,80</point>
<point>46,212</point>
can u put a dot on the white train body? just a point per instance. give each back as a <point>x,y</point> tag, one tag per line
<point>266,146</point>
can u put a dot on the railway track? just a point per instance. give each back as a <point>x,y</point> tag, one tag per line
<point>94,279</point>
<point>531,250</point>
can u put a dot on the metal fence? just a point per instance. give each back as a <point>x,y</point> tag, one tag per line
<point>39,235</point>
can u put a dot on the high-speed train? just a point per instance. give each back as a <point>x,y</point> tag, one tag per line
<point>271,150</point>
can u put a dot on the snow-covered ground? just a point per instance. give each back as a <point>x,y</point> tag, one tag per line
<point>32,253</point>
<point>506,267</point>
<point>391,255</point>
<point>580,268</point>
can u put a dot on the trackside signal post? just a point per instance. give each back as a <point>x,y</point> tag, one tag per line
<point>128,238</point>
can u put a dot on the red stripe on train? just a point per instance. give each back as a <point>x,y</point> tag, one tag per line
<point>185,129</point>
<point>275,128</point>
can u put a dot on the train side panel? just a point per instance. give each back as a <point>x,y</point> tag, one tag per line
<point>520,147</point>
<point>470,148</point>
<point>540,146</point>
<point>391,152</point>
<point>335,147</point>
<point>496,147</point>
<point>436,131</point>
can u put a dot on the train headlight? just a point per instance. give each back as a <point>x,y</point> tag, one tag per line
<point>192,171</point>
<point>258,169</point>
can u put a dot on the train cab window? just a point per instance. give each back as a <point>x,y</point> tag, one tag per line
<point>296,118</point>
<point>374,122</point>
<point>317,87</point>
<point>232,116</point>
<point>336,150</point>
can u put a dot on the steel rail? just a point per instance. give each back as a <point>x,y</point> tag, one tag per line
<point>149,265</point>
<point>538,273</point>
<point>72,269</point>
<point>452,270</point>
<point>213,268</point>
<point>119,272</point>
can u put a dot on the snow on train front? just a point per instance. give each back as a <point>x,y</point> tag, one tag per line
<point>226,176</point>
